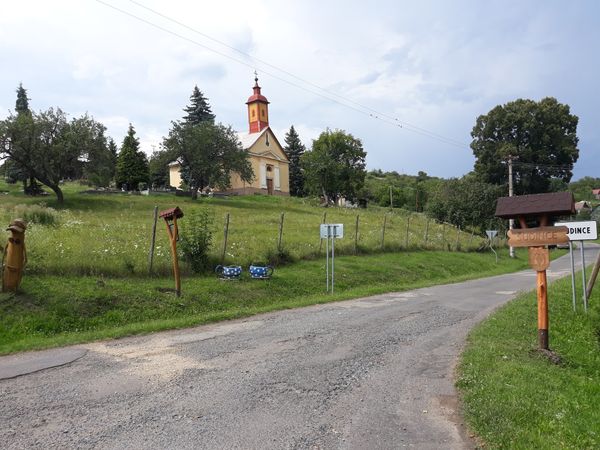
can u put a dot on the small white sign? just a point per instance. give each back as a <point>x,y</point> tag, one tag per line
<point>580,231</point>
<point>332,230</point>
<point>491,234</point>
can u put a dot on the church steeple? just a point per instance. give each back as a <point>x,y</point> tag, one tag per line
<point>258,109</point>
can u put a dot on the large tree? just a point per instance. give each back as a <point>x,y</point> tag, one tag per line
<point>158,166</point>
<point>209,153</point>
<point>335,166</point>
<point>295,149</point>
<point>540,137</point>
<point>132,164</point>
<point>48,146</point>
<point>16,171</point>
<point>198,110</point>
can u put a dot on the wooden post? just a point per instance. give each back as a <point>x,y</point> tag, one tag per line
<point>471,238</point>
<point>173,233</point>
<point>321,240</point>
<point>383,232</point>
<point>280,232</point>
<point>407,231</point>
<point>356,235</point>
<point>426,232</point>
<point>391,200</point>
<point>152,241</point>
<point>542,298</point>
<point>592,280</point>
<point>225,235</point>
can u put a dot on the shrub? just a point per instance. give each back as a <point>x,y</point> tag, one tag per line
<point>196,238</point>
<point>39,214</point>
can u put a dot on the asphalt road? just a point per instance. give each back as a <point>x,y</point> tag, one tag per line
<point>368,373</point>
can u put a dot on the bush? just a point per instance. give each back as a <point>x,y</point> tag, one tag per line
<point>39,214</point>
<point>196,238</point>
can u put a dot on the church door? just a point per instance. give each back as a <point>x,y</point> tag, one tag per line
<point>270,186</point>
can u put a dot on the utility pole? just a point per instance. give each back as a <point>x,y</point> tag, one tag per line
<point>511,222</point>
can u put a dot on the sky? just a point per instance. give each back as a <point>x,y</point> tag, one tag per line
<point>407,78</point>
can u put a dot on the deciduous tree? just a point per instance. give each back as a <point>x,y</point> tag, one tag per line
<point>541,136</point>
<point>210,154</point>
<point>335,166</point>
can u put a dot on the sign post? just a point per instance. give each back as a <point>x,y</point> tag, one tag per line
<point>331,231</point>
<point>541,209</point>
<point>580,231</point>
<point>491,234</point>
<point>539,259</point>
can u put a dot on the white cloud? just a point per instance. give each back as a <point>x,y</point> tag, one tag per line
<point>437,66</point>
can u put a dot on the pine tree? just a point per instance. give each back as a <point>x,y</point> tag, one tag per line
<point>199,109</point>
<point>132,164</point>
<point>295,149</point>
<point>22,103</point>
<point>17,172</point>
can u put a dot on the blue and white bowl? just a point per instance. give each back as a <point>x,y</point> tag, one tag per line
<point>261,271</point>
<point>229,272</point>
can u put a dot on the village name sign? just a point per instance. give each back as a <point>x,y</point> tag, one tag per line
<point>539,210</point>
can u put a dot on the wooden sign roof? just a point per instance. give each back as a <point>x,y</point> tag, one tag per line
<point>170,213</point>
<point>553,204</point>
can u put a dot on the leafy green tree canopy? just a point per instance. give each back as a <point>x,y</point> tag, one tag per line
<point>132,164</point>
<point>465,202</point>
<point>295,149</point>
<point>209,153</point>
<point>541,136</point>
<point>335,167</point>
<point>48,146</point>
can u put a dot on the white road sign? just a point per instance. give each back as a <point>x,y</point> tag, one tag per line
<point>580,231</point>
<point>332,230</point>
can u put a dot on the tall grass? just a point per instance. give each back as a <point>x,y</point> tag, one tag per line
<point>110,234</point>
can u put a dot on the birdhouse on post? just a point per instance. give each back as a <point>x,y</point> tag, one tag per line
<point>171,216</point>
<point>535,214</point>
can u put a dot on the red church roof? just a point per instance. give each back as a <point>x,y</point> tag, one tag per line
<point>257,96</point>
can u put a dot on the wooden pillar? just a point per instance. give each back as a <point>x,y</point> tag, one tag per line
<point>542,298</point>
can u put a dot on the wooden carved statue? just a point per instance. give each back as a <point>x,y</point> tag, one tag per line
<point>14,257</point>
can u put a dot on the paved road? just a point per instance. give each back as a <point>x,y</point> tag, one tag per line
<point>369,373</point>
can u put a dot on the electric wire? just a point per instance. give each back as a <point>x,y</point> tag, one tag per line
<point>328,95</point>
<point>261,61</point>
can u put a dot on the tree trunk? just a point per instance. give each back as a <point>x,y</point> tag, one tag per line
<point>325,197</point>
<point>59,194</point>
<point>194,193</point>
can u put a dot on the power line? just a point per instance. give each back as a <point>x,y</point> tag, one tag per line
<point>254,58</point>
<point>343,101</point>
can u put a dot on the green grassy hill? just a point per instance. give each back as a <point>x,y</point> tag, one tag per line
<point>110,234</point>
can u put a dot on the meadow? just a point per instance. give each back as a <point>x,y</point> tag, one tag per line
<point>110,234</point>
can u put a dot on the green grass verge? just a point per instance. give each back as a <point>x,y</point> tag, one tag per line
<point>513,396</point>
<point>58,310</point>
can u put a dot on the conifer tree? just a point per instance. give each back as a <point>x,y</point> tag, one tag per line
<point>132,164</point>
<point>295,149</point>
<point>22,103</point>
<point>199,109</point>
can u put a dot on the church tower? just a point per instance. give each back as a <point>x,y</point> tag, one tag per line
<point>258,109</point>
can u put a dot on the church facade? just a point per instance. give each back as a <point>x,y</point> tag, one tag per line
<point>266,155</point>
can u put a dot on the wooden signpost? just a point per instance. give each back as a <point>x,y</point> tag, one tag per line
<point>171,216</point>
<point>540,209</point>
